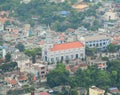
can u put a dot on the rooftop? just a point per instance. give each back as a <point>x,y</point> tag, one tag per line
<point>97,89</point>
<point>96,37</point>
<point>65,46</point>
<point>44,93</point>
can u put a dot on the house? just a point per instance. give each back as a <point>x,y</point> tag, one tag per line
<point>96,91</point>
<point>100,64</point>
<point>64,13</point>
<point>11,82</point>
<point>72,68</point>
<point>111,56</point>
<point>114,91</point>
<point>81,91</point>
<point>80,7</point>
<point>22,79</point>
<point>110,15</point>
<point>54,53</point>
<point>42,70</point>
<point>21,59</point>
<point>44,93</point>
<point>26,1</point>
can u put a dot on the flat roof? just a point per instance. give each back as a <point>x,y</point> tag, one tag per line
<point>96,37</point>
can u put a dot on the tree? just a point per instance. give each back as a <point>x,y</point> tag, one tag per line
<point>32,53</point>
<point>20,46</point>
<point>8,66</point>
<point>111,48</point>
<point>60,76</point>
<point>74,92</point>
<point>8,57</point>
<point>90,51</point>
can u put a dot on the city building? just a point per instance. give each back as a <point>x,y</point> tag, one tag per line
<point>100,64</point>
<point>98,41</point>
<point>1,27</point>
<point>114,91</point>
<point>96,91</point>
<point>41,70</point>
<point>62,52</point>
<point>110,15</point>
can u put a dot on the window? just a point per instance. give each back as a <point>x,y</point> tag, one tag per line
<point>45,58</point>
<point>76,56</point>
<point>62,58</point>
<point>104,43</point>
<point>42,68</point>
<point>81,54</point>
<point>67,58</point>
<point>52,59</point>
<point>42,72</point>
<point>71,56</point>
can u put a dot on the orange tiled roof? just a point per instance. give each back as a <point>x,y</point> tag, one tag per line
<point>22,78</point>
<point>44,93</point>
<point>65,46</point>
<point>116,90</point>
<point>34,78</point>
<point>11,81</point>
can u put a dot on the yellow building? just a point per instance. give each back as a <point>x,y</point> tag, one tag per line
<point>96,91</point>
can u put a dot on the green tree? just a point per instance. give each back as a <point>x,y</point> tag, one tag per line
<point>8,57</point>
<point>111,48</point>
<point>60,76</point>
<point>74,92</point>
<point>20,46</point>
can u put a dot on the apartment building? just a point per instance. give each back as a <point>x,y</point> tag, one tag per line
<point>98,41</point>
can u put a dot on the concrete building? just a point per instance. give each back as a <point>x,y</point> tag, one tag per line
<point>41,70</point>
<point>98,41</point>
<point>96,91</point>
<point>21,59</point>
<point>100,64</point>
<point>1,27</point>
<point>110,15</point>
<point>27,29</point>
<point>61,52</point>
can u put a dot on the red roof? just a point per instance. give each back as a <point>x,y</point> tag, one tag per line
<point>22,78</point>
<point>65,46</point>
<point>115,91</point>
<point>100,65</point>
<point>11,81</point>
<point>44,93</point>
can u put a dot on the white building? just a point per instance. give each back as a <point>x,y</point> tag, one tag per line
<point>111,15</point>
<point>1,27</point>
<point>98,41</point>
<point>61,52</point>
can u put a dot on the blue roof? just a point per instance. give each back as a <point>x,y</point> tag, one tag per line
<point>64,12</point>
<point>3,47</point>
<point>113,88</point>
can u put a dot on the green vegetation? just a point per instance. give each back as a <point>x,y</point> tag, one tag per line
<point>1,40</point>
<point>91,76</point>
<point>25,89</point>
<point>32,53</point>
<point>6,67</point>
<point>9,4</point>
<point>8,57</point>
<point>118,1</point>
<point>113,48</point>
<point>50,13</point>
<point>20,46</point>
<point>57,77</point>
